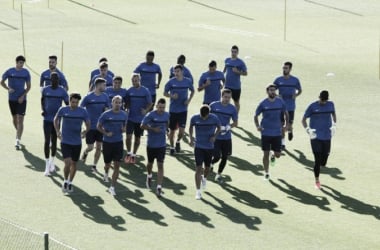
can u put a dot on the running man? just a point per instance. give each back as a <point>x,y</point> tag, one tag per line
<point>234,68</point>
<point>112,124</point>
<point>226,112</point>
<point>18,87</point>
<point>45,79</point>
<point>181,60</point>
<point>271,126</point>
<point>156,122</point>
<point>150,74</point>
<point>52,97</point>
<point>211,82</point>
<point>289,88</point>
<point>95,103</point>
<point>96,71</point>
<point>138,103</point>
<point>70,133</point>
<point>177,89</point>
<point>103,69</point>
<point>207,128</point>
<point>116,89</point>
<point>321,128</point>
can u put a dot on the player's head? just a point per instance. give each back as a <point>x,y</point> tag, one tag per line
<point>178,71</point>
<point>117,82</point>
<point>20,60</point>
<point>287,68</point>
<point>234,51</point>
<point>103,68</point>
<point>149,56</point>
<point>54,80</point>
<point>226,96</point>
<point>103,59</point>
<point>100,84</point>
<point>204,111</point>
<point>117,101</point>
<point>136,80</point>
<point>323,96</point>
<point>181,59</point>
<point>271,91</point>
<point>74,100</point>
<point>52,62</point>
<point>160,106</point>
<point>212,66</point>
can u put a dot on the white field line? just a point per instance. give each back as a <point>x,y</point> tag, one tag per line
<point>228,30</point>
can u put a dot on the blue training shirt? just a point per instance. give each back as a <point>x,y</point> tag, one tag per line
<point>321,118</point>
<point>233,79</point>
<point>72,120</point>
<point>137,99</point>
<point>108,78</point>
<point>212,91</point>
<point>46,81</point>
<point>148,74</point>
<point>204,130</point>
<point>17,80</point>
<point>111,92</point>
<point>95,106</point>
<point>185,71</point>
<point>96,72</point>
<point>52,101</point>
<point>113,122</point>
<point>225,113</point>
<point>271,120</point>
<point>287,89</point>
<point>173,86</point>
<point>153,119</point>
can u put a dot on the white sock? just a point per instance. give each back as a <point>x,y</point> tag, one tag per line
<point>159,186</point>
<point>51,159</point>
<point>149,175</point>
<point>283,141</point>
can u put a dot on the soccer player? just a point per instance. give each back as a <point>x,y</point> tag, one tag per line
<point>103,69</point>
<point>112,124</point>
<point>52,97</point>
<point>207,127</point>
<point>96,72</point>
<point>138,102</point>
<point>271,126</point>
<point>234,68</point>
<point>150,74</point>
<point>321,128</point>
<point>226,112</point>
<point>177,89</point>
<point>70,133</point>
<point>289,88</point>
<point>181,60</point>
<point>95,103</point>
<point>45,79</point>
<point>116,89</point>
<point>211,82</point>
<point>18,86</point>
<point>156,122</point>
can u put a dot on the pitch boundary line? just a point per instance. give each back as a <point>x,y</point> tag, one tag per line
<point>334,8</point>
<point>8,25</point>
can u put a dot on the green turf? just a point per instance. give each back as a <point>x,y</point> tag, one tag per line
<point>340,37</point>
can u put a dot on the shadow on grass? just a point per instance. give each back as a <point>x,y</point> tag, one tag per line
<point>187,214</point>
<point>250,199</point>
<point>244,165</point>
<point>232,213</point>
<point>352,204</point>
<point>302,196</point>
<point>35,163</point>
<point>248,137</point>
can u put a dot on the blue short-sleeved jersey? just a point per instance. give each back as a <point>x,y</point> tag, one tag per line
<point>17,80</point>
<point>148,74</point>
<point>95,106</point>
<point>137,99</point>
<point>233,79</point>
<point>204,130</point>
<point>225,113</point>
<point>46,81</point>
<point>173,86</point>
<point>287,89</point>
<point>212,91</point>
<point>108,78</point>
<point>185,71</point>
<point>96,72</point>
<point>153,119</point>
<point>72,120</point>
<point>113,122</point>
<point>321,118</point>
<point>271,120</point>
<point>111,92</point>
<point>52,101</point>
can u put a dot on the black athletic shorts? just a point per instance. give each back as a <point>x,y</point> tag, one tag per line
<point>93,135</point>
<point>203,156</point>
<point>17,108</point>
<point>177,120</point>
<point>235,93</point>
<point>291,117</point>
<point>271,143</point>
<point>71,151</point>
<point>223,148</point>
<point>156,153</point>
<point>49,129</point>
<point>134,128</point>
<point>113,151</point>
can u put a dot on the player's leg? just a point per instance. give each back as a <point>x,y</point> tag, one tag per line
<point>47,133</point>
<point>160,170</point>
<point>236,98</point>
<point>98,148</point>
<point>216,152</point>
<point>207,162</point>
<point>75,154</point>
<point>198,171</point>
<point>316,147</point>
<point>66,154</point>
<point>173,121</point>
<point>276,146</point>
<point>182,119</point>
<point>90,140</point>
<point>266,146</point>
<point>325,152</point>
<point>13,110</point>
<point>150,152</point>
<point>290,128</point>
<point>117,156</point>
<point>138,133</point>
<point>226,150</point>
<point>128,140</point>
<point>107,158</point>
<point>53,140</point>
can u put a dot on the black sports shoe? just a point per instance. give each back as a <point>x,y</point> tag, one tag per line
<point>70,188</point>
<point>84,157</point>
<point>290,136</point>
<point>177,146</point>
<point>64,187</point>
<point>159,192</point>
<point>172,151</point>
<point>282,147</point>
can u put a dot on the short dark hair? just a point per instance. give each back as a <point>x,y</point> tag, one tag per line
<point>289,64</point>
<point>161,101</point>
<point>178,66</point>
<point>54,75</point>
<point>226,91</point>
<point>235,47</point>
<point>117,78</point>
<point>205,110</point>
<point>271,86</point>
<point>324,95</point>
<point>75,96</point>
<point>181,58</point>
<point>103,59</point>
<point>103,65</point>
<point>150,53</point>
<point>54,57</point>
<point>20,58</point>
<point>212,64</point>
<point>99,80</point>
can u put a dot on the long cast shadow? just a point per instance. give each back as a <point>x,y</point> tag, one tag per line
<point>297,194</point>
<point>352,204</point>
<point>245,165</point>
<point>248,137</point>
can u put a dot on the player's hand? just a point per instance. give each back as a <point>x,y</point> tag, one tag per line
<point>174,96</point>
<point>235,70</point>
<point>10,90</point>
<point>186,102</point>
<point>191,142</point>
<point>108,134</point>
<point>260,129</point>
<point>333,129</point>
<point>83,134</point>
<point>312,133</point>
<point>20,99</point>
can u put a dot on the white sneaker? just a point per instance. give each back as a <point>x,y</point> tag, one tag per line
<point>198,195</point>
<point>47,167</point>
<point>47,173</point>
<point>218,178</point>
<point>18,144</point>
<point>203,183</point>
<point>105,177</point>
<point>51,167</point>
<point>112,191</point>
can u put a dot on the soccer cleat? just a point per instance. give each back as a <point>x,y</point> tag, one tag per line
<point>112,191</point>
<point>198,195</point>
<point>93,169</point>
<point>159,192</point>
<point>70,188</point>
<point>84,157</point>
<point>64,187</point>
<point>105,177</point>
<point>218,178</point>
<point>272,159</point>
<point>127,159</point>
<point>317,185</point>
<point>18,144</point>
<point>203,183</point>
<point>290,136</point>
<point>47,173</point>
<point>172,152</point>
<point>266,176</point>
<point>177,146</point>
<point>148,182</point>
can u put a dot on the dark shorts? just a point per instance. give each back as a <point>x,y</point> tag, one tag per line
<point>71,151</point>
<point>321,146</point>
<point>203,156</point>
<point>134,128</point>
<point>49,129</point>
<point>156,153</point>
<point>222,147</point>
<point>93,135</point>
<point>235,93</point>
<point>291,117</point>
<point>271,143</point>
<point>113,151</point>
<point>178,120</point>
<point>17,108</point>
